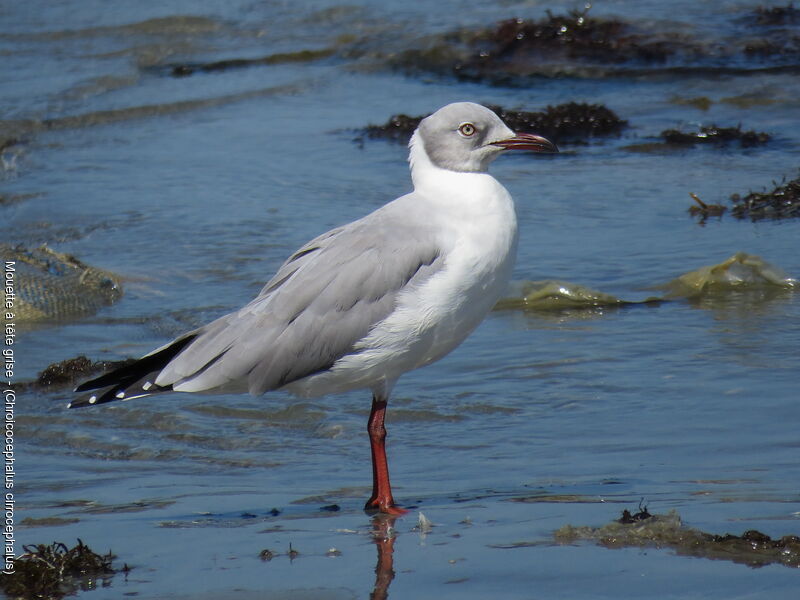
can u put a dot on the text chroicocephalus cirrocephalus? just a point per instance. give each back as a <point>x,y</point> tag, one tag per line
<point>364,303</point>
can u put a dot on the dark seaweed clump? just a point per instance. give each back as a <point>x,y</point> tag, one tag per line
<point>776,15</point>
<point>514,51</point>
<point>576,35</point>
<point>8,142</point>
<point>642,515</point>
<point>713,134</point>
<point>186,69</point>
<point>69,372</point>
<point>783,202</point>
<point>784,45</point>
<point>778,37</point>
<point>55,571</point>
<point>398,128</point>
<point>569,122</point>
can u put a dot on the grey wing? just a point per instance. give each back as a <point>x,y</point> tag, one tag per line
<point>326,297</point>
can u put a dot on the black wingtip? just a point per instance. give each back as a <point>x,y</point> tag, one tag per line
<point>80,402</point>
<point>109,395</point>
<point>86,385</point>
<point>132,372</point>
<point>89,400</point>
<point>124,391</point>
<point>131,380</point>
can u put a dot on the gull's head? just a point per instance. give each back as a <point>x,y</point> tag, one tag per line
<point>466,137</point>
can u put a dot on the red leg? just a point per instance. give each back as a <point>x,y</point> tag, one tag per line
<point>381,498</point>
<point>383,534</point>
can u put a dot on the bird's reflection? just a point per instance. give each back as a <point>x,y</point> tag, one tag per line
<point>383,533</point>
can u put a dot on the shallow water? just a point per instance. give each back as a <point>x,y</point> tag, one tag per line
<point>196,188</point>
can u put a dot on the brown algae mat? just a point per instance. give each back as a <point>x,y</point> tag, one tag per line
<point>645,530</point>
<point>54,571</point>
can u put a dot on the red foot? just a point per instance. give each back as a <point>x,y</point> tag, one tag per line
<point>387,507</point>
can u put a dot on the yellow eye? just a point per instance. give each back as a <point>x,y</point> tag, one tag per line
<point>466,129</point>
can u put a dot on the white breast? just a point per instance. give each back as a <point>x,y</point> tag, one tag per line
<point>477,232</point>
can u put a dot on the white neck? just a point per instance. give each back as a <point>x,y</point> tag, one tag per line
<point>477,230</point>
<point>427,176</point>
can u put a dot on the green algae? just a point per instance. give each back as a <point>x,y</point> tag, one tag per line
<point>52,286</point>
<point>550,295</point>
<point>741,272</point>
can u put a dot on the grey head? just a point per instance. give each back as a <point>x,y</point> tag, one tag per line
<point>466,137</point>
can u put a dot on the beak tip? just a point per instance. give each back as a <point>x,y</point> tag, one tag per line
<point>528,141</point>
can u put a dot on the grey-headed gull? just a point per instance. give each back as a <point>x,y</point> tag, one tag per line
<point>364,303</point>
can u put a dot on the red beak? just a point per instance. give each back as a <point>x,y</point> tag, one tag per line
<point>527,141</point>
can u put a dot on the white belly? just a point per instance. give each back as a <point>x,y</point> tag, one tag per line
<point>479,248</point>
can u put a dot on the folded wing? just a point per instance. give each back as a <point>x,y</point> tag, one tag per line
<point>326,297</point>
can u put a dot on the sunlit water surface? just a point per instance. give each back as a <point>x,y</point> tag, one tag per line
<point>195,189</point>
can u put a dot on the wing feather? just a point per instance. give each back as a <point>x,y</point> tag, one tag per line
<point>325,298</point>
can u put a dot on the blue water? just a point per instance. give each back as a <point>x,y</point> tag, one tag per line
<point>690,406</point>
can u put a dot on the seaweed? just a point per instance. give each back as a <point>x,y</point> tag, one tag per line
<point>773,47</point>
<point>267,555</point>
<point>739,276</point>
<point>70,371</point>
<point>398,128</point>
<point>740,273</point>
<point>514,51</point>
<point>703,210</point>
<point>776,33</point>
<point>55,571</point>
<point>577,35</point>
<point>782,202</point>
<point>573,122</point>
<point>642,515</point>
<point>775,15</point>
<point>753,548</point>
<point>187,69</point>
<point>556,296</point>
<point>9,199</point>
<point>9,142</point>
<point>713,134</point>
<point>52,286</point>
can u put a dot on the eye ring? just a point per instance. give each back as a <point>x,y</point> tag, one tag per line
<point>467,129</point>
